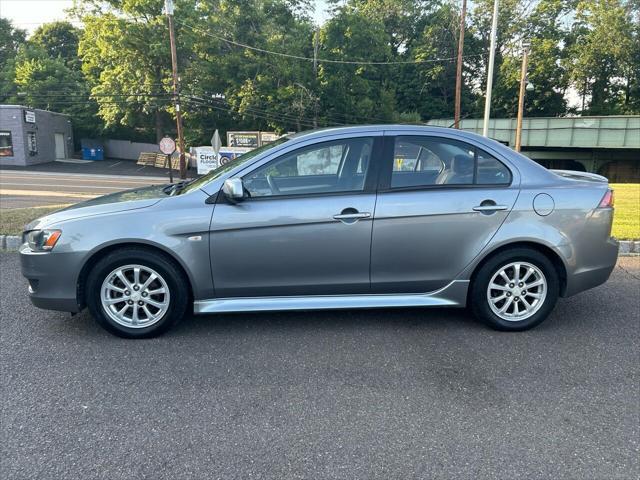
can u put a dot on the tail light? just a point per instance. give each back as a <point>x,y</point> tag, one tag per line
<point>608,200</point>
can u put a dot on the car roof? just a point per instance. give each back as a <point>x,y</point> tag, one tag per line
<point>397,127</point>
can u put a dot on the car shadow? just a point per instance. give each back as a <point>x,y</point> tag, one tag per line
<point>325,320</point>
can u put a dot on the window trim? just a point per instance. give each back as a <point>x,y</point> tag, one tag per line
<point>386,168</point>
<point>370,181</point>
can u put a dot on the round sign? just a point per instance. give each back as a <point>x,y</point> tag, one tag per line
<point>167,146</point>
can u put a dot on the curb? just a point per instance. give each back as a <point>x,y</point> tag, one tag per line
<point>11,243</point>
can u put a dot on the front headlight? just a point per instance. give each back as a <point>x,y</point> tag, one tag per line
<point>41,240</point>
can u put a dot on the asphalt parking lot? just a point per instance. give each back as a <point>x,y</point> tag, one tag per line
<point>389,394</point>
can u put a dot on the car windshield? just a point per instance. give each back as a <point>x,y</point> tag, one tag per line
<point>222,169</point>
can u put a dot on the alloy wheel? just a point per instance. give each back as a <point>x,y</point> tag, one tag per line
<point>135,296</point>
<point>517,291</point>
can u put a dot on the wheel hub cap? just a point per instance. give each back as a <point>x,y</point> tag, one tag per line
<point>517,291</point>
<point>135,296</point>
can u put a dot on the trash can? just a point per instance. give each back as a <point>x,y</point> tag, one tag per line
<point>92,153</point>
<point>92,149</point>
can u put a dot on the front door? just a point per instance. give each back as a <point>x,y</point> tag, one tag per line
<point>305,228</point>
<point>59,140</point>
<point>440,202</point>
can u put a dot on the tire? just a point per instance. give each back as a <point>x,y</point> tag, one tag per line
<point>533,267</point>
<point>160,296</point>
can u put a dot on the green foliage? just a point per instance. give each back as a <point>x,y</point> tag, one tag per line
<point>113,75</point>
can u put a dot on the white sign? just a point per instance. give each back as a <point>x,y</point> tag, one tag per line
<point>216,143</point>
<point>207,160</point>
<point>167,145</point>
<point>29,116</point>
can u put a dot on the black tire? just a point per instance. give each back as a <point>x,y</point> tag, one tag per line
<point>479,303</point>
<point>160,263</point>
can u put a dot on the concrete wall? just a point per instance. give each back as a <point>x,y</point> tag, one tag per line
<point>126,150</point>
<point>47,124</point>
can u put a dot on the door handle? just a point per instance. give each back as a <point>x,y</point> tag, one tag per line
<point>351,216</point>
<point>490,208</point>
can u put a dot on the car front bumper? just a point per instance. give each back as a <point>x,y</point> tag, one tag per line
<point>52,277</point>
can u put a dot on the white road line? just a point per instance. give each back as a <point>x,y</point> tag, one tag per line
<point>6,184</point>
<point>88,175</point>
<point>44,177</point>
<point>34,193</point>
<point>117,163</point>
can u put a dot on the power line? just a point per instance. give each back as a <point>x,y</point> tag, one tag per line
<point>322,60</point>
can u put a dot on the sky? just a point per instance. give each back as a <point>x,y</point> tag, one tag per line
<point>29,14</point>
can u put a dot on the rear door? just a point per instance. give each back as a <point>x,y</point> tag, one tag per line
<point>439,203</point>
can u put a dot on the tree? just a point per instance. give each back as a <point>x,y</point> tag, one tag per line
<point>126,59</point>
<point>59,40</point>
<point>602,54</point>
<point>11,39</point>
<point>355,93</point>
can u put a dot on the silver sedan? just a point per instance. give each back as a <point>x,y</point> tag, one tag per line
<point>354,217</point>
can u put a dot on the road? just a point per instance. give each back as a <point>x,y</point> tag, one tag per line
<point>386,394</point>
<point>26,188</point>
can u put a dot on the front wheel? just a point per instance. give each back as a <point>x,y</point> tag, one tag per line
<point>135,293</point>
<point>515,290</point>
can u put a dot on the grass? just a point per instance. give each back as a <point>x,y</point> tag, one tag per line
<point>626,223</point>
<point>626,220</point>
<point>13,220</point>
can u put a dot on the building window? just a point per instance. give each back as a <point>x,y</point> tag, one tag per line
<point>31,143</point>
<point>6,144</point>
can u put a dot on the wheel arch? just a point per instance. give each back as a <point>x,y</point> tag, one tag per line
<point>550,253</point>
<point>103,250</point>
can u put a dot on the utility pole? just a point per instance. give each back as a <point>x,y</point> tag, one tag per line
<point>316,46</point>
<point>523,84</point>
<point>492,58</point>
<point>456,115</point>
<point>168,6</point>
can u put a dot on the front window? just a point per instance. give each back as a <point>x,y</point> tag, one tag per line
<point>337,166</point>
<point>222,169</point>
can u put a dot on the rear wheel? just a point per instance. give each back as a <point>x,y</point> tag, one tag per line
<point>135,293</point>
<point>515,290</point>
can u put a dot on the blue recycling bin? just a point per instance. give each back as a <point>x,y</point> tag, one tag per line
<point>92,153</point>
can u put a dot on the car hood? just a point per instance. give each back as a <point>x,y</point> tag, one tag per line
<point>112,203</point>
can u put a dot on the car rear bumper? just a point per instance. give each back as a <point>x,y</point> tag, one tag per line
<point>52,278</point>
<point>595,274</point>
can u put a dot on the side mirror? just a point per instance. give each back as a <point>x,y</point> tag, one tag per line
<point>233,189</point>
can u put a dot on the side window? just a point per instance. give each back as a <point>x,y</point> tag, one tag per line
<point>339,166</point>
<point>432,161</point>
<point>428,161</point>
<point>491,171</point>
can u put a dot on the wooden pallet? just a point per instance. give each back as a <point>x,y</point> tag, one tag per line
<point>152,159</point>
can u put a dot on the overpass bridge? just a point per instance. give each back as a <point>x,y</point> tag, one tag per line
<point>608,145</point>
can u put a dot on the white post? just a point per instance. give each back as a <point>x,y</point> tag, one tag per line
<point>492,57</point>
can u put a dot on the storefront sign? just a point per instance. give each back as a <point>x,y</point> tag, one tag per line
<point>29,116</point>
<point>207,160</point>
<point>32,143</point>
<point>243,139</point>
<point>268,137</point>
